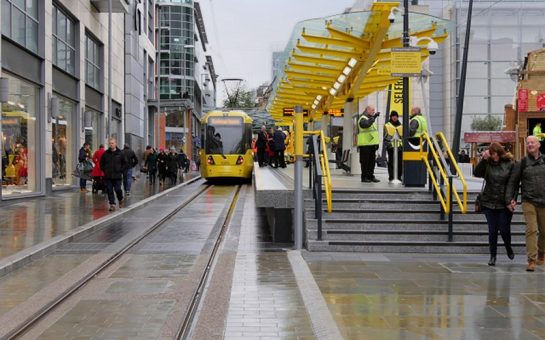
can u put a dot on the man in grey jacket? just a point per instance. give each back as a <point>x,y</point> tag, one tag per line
<point>529,174</point>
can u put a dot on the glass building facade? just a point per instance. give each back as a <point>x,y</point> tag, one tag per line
<point>501,37</point>
<point>176,52</point>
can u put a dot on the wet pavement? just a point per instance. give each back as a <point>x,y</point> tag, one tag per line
<point>27,222</point>
<point>260,296</point>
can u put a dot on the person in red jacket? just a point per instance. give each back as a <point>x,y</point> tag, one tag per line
<point>97,173</point>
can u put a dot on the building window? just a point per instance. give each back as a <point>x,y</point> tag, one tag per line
<point>63,141</point>
<point>64,51</point>
<point>20,22</point>
<point>92,63</point>
<point>19,138</point>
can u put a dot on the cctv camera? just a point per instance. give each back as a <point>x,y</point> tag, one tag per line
<point>432,47</point>
<point>391,17</point>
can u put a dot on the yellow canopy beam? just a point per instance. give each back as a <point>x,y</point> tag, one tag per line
<point>320,61</point>
<point>309,68</point>
<point>327,51</point>
<point>309,76</point>
<point>337,34</point>
<point>330,41</point>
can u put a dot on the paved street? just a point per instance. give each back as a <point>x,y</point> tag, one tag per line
<point>266,295</point>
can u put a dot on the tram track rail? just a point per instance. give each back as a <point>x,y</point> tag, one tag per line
<point>184,331</point>
<point>43,312</point>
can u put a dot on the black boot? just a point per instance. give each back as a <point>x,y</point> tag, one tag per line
<point>510,253</point>
<point>492,261</point>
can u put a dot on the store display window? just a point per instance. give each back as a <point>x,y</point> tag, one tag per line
<point>19,139</point>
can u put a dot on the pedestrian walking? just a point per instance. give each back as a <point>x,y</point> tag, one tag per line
<point>84,156</point>
<point>151,165</point>
<point>113,163</point>
<point>132,161</point>
<point>368,143</point>
<point>97,173</point>
<point>162,160</point>
<point>279,140</point>
<point>172,165</point>
<point>261,144</point>
<point>391,128</point>
<point>183,161</point>
<point>495,167</point>
<point>529,175</point>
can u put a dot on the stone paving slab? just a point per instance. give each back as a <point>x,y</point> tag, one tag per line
<point>64,233</point>
<point>423,297</point>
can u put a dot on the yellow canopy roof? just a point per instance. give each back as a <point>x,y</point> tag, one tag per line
<point>329,60</point>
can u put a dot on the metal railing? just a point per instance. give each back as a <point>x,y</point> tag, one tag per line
<point>441,177</point>
<point>319,175</point>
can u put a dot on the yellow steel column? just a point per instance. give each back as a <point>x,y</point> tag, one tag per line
<point>298,179</point>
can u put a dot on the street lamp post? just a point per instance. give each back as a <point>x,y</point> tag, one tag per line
<point>109,104</point>
<point>406,125</point>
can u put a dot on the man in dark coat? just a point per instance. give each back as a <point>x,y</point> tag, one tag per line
<point>113,163</point>
<point>172,165</point>
<point>261,145</point>
<point>279,139</point>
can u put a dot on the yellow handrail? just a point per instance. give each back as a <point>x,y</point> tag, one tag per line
<point>463,205</point>
<point>445,202</point>
<point>324,162</point>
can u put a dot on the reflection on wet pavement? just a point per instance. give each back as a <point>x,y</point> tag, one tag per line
<point>18,286</point>
<point>265,300</point>
<point>24,223</point>
<point>134,298</point>
<point>424,298</point>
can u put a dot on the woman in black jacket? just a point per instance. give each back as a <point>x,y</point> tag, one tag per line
<point>495,167</point>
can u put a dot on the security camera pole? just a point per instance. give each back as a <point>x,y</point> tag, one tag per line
<point>406,125</point>
<point>462,88</point>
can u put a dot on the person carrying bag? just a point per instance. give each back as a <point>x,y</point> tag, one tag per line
<point>495,168</point>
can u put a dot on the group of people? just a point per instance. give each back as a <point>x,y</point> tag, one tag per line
<point>271,147</point>
<point>503,177</point>
<point>368,140</point>
<point>164,164</point>
<point>112,169</point>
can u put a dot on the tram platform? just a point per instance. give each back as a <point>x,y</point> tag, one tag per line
<point>30,227</point>
<point>261,290</point>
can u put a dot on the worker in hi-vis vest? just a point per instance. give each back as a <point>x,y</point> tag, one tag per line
<point>391,128</point>
<point>538,133</point>
<point>368,141</point>
<point>418,125</point>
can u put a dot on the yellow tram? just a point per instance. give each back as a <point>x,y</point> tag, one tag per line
<point>227,145</point>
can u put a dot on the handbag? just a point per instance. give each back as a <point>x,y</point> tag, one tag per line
<point>144,169</point>
<point>478,205</point>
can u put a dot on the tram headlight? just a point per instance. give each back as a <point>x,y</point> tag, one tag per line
<point>210,160</point>
<point>240,160</point>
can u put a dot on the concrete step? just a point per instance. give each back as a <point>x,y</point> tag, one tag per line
<point>407,235</point>
<point>400,205</point>
<point>420,215</point>
<point>399,195</point>
<point>311,224</point>
<point>440,247</point>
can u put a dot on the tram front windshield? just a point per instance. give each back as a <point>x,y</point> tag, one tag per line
<point>225,135</point>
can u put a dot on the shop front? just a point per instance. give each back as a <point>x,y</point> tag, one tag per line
<point>19,139</point>
<point>64,143</point>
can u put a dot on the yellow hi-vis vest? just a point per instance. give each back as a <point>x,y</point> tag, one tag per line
<point>390,130</point>
<point>367,136</point>
<point>422,125</point>
<point>537,133</point>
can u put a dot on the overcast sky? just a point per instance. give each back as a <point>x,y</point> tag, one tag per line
<point>242,34</point>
